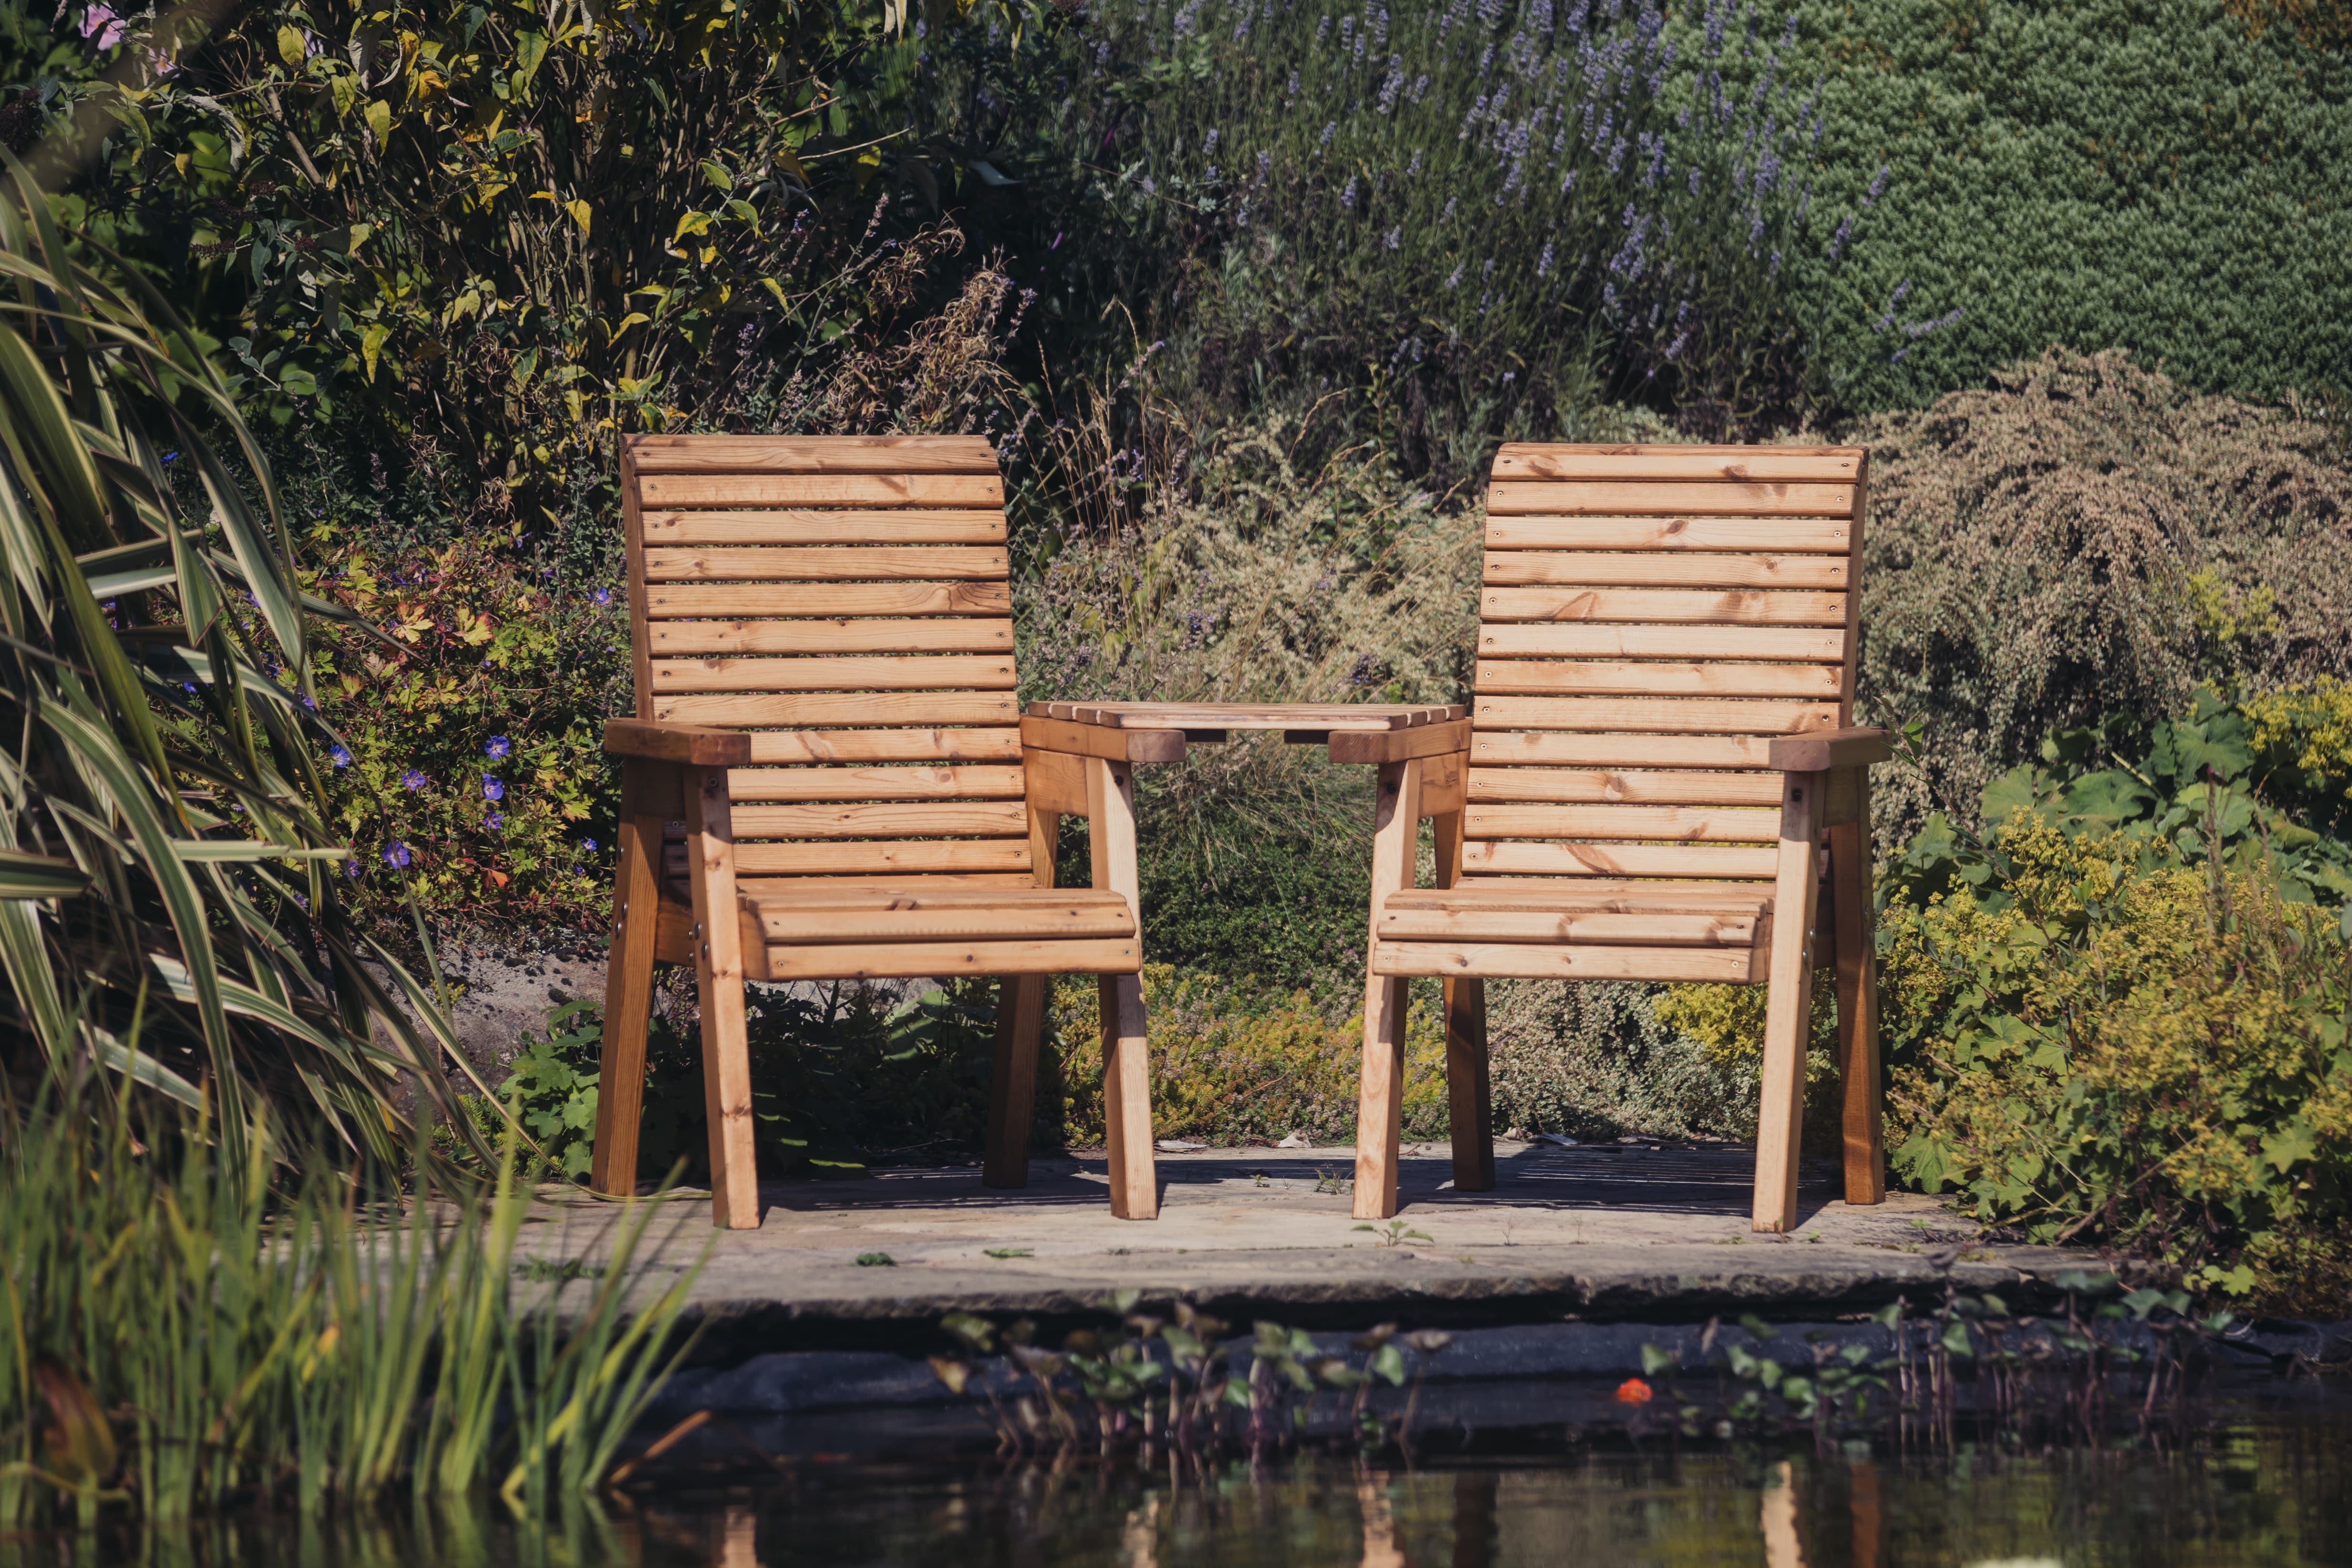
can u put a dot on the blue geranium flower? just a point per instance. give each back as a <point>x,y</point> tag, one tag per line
<point>495,821</point>
<point>588,846</point>
<point>497,746</point>
<point>413,779</point>
<point>396,855</point>
<point>603,595</point>
<point>341,758</point>
<point>492,789</point>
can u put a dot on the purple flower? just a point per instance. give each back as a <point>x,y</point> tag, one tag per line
<point>101,22</point>
<point>588,846</point>
<point>497,746</point>
<point>1877,188</point>
<point>352,867</point>
<point>413,780</point>
<point>311,702</point>
<point>171,456</point>
<point>341,757</point>
<point>602,596</point>
<point>495,821</point>
<point>492,789</point>
<point>396,855</point>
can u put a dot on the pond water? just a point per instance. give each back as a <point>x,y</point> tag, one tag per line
<point>2260,1478</point>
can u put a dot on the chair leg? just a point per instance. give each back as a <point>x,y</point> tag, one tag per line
<point>629,978</point>
<point>1470,1112</point>
<point>1127,1068</point>
<point>1469,1104</point>
<point>1013,1081</point>
<point>719,977</point>
<point>1379,1097</point>
<point>1861,1113</point>
<point>1781,1116</point>
<point>1126,1100</point>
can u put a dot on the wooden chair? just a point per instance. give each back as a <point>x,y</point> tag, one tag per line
<point>1660,740</point>
<point>827,778</point>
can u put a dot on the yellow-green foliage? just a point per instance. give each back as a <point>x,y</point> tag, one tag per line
<point>1235,1063</point>
<point>1728,1022</point>
<point>2311,723</point>
<point>2106,1042</point>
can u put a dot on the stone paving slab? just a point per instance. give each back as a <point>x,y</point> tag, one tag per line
<point>1597,1231</point>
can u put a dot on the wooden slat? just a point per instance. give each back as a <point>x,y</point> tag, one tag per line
<point>829,599</point>
<point>911,915</point>
<point>1705,862</point>
<point>826,563</point>
<point>917,820</point>
<point>1528,925</point>
<point>880,784</point>
<point>1536,749</point>
<point>1595,896</point>
<point>684,491</point>
<point>880,961</point>
<point>826,710</point>
<point>1686,824</point>
<point>1596,786</point>
<point>976,746</point>
<point>943,881</point>
<point>1520,460</point>
<point>1783,534</point>
<point>1335,716</point>
<point>1656,569</point>
<point>937,635</point>
<point>1101,741</point>
<point>1578,639</point>
<point>689,528</point>
<point>873,857</point>
<point>1693,716</point>
<point>1658,679</point>
<point>1602,497</point>
<point>812,454</point>
<point>913,674</point>
<point>1754,608</point>
<point>1537,960</point>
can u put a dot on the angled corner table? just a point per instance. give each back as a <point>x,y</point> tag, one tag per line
<point>1422,750</point>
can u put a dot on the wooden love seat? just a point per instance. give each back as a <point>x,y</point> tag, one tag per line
<point>827,778</point>
<point>1661,743</point>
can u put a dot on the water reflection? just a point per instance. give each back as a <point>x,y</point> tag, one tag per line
<point>2273,1488</point>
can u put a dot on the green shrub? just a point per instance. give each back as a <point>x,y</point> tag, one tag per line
<point>2107,173</point>
<point>2102,1041</point>
<point>1237,1062</point>
<point>2085,537</point>
<point>1599,1059</point>
<point>551,1086</point>
<point>469,768</point>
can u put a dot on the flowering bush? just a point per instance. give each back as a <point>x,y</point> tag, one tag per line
<point>2103,1040</point>
<point>1469,208</point>
<point>470,768</point>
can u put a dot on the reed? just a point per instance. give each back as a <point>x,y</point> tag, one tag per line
<point>178,1335</point>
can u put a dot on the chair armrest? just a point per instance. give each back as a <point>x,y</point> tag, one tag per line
<point>691,744</point>
<point>1109,742</point>
<point>1818,750</point>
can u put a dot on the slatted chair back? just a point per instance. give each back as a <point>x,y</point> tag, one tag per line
<point>1652,619</point>
<point>848,602</point>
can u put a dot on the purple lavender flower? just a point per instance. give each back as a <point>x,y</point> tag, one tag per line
<point>1877,187</point>
<point>1837,240</point>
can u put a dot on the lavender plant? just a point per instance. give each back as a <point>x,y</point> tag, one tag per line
<point>1514,206</point>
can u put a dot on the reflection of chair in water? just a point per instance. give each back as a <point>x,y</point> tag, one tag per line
<point>1659,744</point>
<point>823,637</point>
